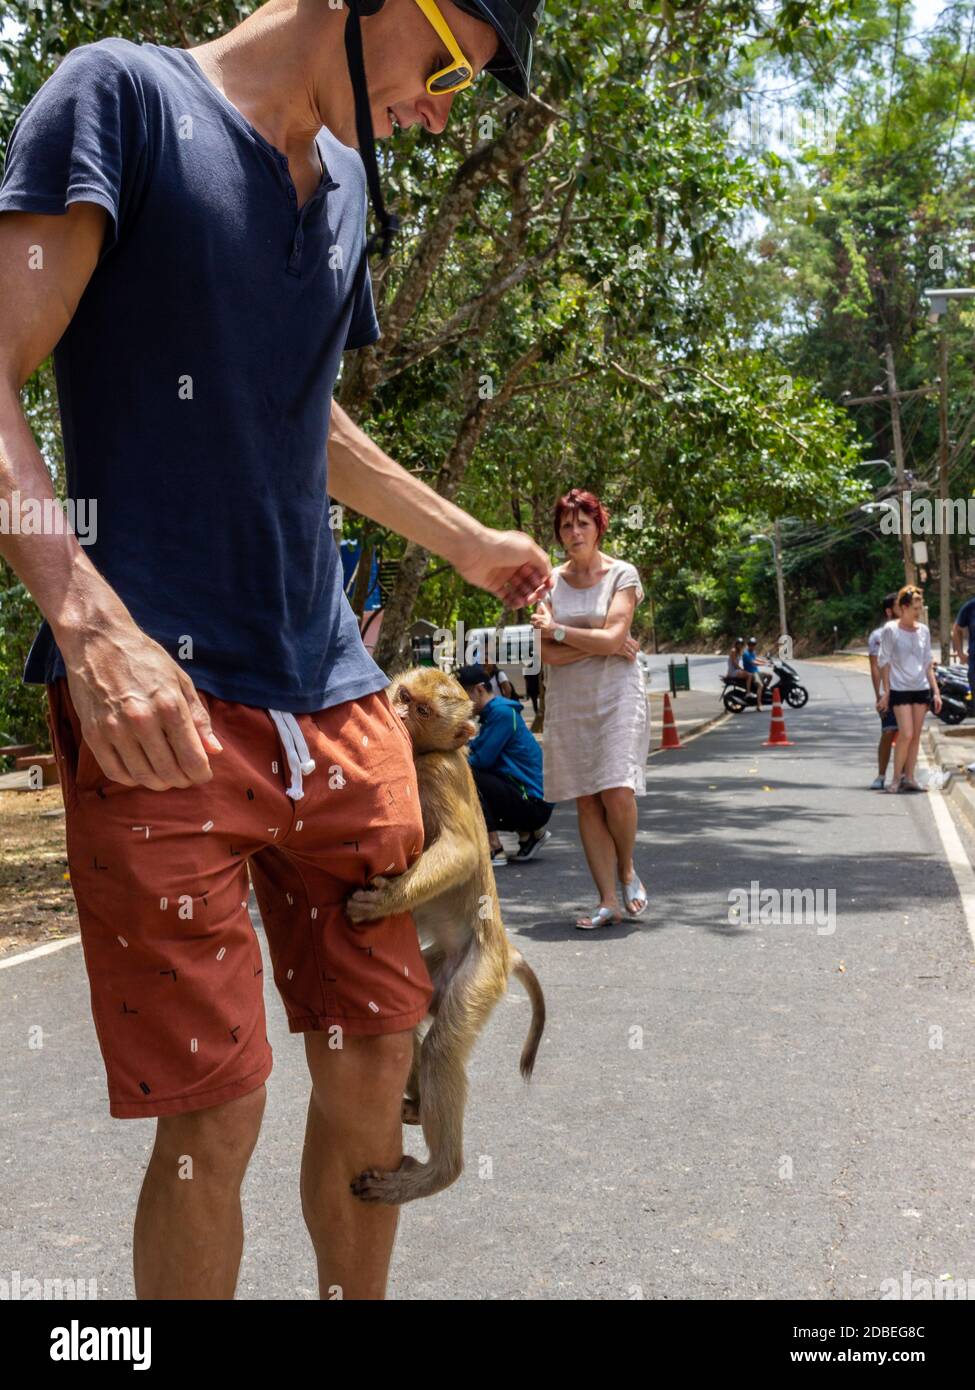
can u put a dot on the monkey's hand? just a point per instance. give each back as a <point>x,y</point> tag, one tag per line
<point>369,904</point>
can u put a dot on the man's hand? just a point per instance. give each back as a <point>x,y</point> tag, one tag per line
<point>139,712</point>
<point>509,565</point>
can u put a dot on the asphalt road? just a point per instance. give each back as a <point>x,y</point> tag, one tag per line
<point>719,1110</point>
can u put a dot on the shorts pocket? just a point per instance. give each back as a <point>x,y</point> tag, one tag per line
<point>64,743</point>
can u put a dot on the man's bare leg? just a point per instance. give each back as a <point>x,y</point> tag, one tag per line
<point>883,751</point>
<point>354,1123</point>
<point>189,1232</point>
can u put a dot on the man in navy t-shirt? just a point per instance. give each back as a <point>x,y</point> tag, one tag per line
<point>185,230</point>
<point>963,637</point>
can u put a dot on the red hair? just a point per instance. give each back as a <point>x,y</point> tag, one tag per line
<point>575,501</point>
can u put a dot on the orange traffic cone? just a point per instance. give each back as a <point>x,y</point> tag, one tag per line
<point>671,738</point>
<point>776,737</point>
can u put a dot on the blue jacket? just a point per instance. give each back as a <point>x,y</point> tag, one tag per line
<point>506,746</point>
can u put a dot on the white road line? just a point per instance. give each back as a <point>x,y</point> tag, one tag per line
<point>36,951</point>
<point>957,858</point>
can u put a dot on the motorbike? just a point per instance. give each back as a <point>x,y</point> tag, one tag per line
<point>956,694</point>
<point>785,679</point>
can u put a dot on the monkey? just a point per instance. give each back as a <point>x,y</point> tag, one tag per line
<point>453,897</point>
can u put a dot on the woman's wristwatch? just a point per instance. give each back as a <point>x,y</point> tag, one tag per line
<point>558,634</point>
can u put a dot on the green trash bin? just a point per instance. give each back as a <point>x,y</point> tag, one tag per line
<point>680,675</point>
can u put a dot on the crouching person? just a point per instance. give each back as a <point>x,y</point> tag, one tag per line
<point>507,765</point>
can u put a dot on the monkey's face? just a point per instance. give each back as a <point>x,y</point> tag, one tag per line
<point>435,709</point>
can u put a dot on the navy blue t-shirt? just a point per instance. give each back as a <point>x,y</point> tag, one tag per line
<point>966,620</point>
<point>195,378</point>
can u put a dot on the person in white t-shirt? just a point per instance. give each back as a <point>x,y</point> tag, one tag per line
<point>888,720</point>
<point>500,681</point>
<point>908,685</point>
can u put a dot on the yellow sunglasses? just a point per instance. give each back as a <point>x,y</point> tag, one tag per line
<point>460,72</point>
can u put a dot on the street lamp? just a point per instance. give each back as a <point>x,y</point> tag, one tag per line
<point>879,463</point>
<point>938,301</point>
<point>776,543</point>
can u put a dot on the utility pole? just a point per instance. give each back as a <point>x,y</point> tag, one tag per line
<point>910,570</point>
<point>944,540</point>
<point>938,301</point>
<point>775,541</point>
<point>777,549</point>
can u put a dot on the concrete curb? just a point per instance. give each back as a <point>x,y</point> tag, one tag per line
<point>945,750</point>
<point>695,731</point>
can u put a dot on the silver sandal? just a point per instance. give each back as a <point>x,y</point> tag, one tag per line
<point>633,891</point>
<point>602,917</point>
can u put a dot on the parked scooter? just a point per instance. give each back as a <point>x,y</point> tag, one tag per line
<point>785,680</point>
<point>956,694</point>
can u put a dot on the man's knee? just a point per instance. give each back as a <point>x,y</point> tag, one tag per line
<point>219,1139</point>
<point>363,1069</point>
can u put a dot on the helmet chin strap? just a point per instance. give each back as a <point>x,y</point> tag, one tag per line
<point>382,239</point>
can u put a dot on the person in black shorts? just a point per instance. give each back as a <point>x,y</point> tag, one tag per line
<point>908,684</point>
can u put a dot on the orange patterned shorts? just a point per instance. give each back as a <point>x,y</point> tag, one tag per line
<point>161,883</point>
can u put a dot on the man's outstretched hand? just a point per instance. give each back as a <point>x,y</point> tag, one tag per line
<point>509,565</point>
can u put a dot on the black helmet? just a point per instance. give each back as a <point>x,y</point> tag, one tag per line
<point>514,22</point>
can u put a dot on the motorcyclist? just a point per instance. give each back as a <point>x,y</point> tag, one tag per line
<point>754,679</point>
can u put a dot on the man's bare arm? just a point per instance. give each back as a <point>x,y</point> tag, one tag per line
<point>506,563</point>
<point>874,675</point>
<point>138,710</point>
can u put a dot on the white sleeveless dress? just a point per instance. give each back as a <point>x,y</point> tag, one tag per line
<point>597,718</point>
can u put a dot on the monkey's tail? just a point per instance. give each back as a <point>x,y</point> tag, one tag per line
<point>529,981</point>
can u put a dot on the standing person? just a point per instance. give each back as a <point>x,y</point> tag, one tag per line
<point>963,638</point>
<point>201,217</point>
<point>597,725</point>
<point>533,688</point>
<point>498,680</point>
<point>506,761</point>
<point>888,720</point>
<point>908,684</point>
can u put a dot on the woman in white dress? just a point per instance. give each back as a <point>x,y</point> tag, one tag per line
<point>597,724</point>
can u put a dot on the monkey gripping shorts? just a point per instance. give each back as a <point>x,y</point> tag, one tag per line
<point>161,883</point>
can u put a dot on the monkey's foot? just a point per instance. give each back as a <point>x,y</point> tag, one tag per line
<point>411,1111</point>
<point>390,1188</point>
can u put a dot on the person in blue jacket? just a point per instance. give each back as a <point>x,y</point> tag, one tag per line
<point>506,761</point>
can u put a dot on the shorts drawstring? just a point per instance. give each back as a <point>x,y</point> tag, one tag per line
<point>295,750</point>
